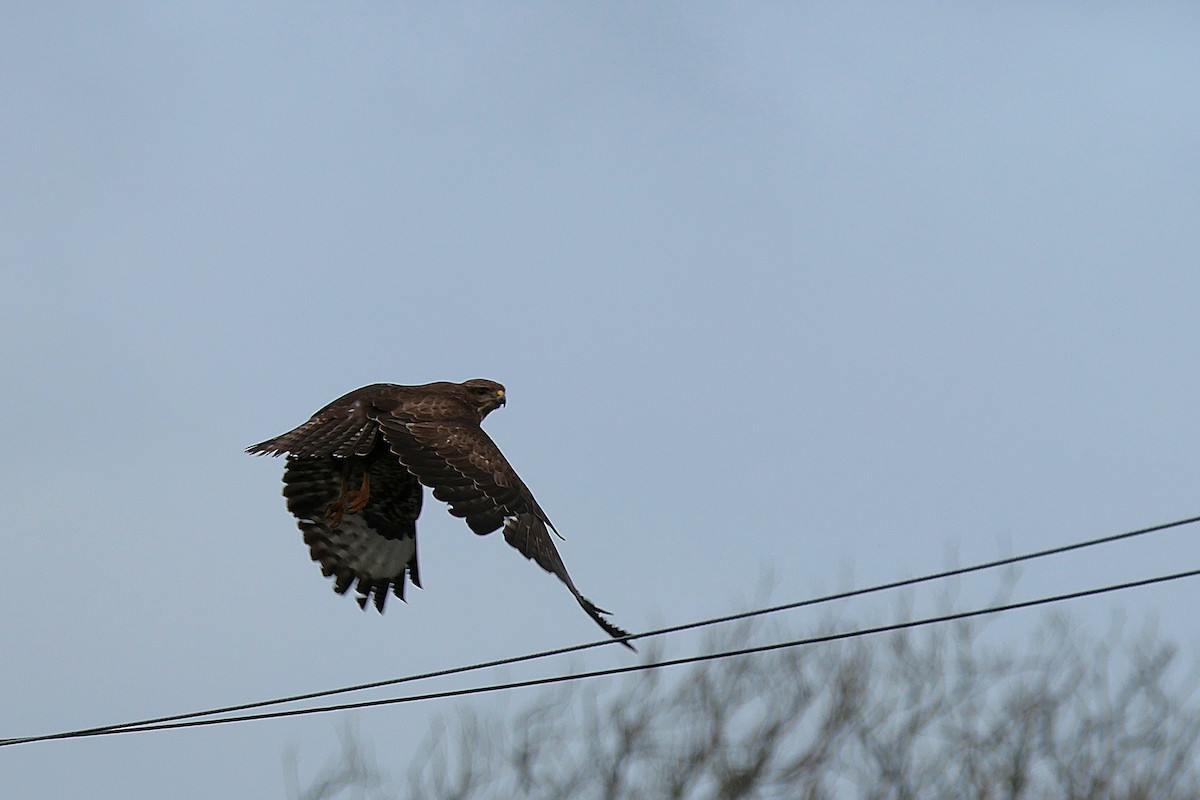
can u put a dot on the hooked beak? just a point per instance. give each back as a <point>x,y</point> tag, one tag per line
<point>500,399</point>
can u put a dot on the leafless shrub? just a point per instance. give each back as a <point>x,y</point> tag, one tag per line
<point>914,714</point>
<point>354,774</point>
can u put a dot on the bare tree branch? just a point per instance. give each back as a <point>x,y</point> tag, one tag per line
<point>930,713</point>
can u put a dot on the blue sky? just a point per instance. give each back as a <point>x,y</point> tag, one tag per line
<point>832,294</point>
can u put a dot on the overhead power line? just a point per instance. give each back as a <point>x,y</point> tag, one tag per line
<point>498,687</point>
<point>844,595</point>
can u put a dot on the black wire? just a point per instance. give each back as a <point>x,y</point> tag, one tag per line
<point>833,637</point>
<point>1001,562</point>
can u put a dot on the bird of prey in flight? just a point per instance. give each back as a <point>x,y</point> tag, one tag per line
<point>353,481</point>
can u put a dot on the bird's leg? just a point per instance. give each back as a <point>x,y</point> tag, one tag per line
<point>356,499</point>
<point>349,501</point>
<point>336,509</point>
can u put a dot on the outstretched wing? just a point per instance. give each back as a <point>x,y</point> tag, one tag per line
<point>374,548</point>
<point>346,427</point>
<point>466,469</point>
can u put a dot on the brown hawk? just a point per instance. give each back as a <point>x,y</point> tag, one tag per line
<point>354,474</point>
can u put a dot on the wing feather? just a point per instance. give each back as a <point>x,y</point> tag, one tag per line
<point>345,427</point>
<point>528,534</point>
<point>466,469</point>
<point>463,466</point>
<point>375,548</point>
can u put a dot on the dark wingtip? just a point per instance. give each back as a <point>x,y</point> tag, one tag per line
<point>597,614</point>
<point>620,634</point>
<point>263,449</point>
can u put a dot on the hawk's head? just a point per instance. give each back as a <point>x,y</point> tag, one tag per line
<point>483,395</point>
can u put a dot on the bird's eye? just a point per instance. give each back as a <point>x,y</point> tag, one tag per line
<point>481,391</point>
